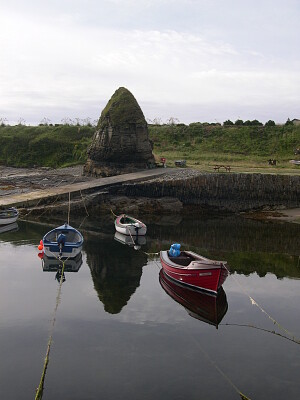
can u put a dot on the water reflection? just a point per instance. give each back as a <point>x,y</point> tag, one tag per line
<point>116,271</point>
<point>205,307</point>
<point>53,264</point>
<point>132,241</point>
<point>9,228</point>
<point>248,245</point>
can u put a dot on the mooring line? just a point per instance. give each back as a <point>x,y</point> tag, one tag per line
<point>113,213</point>
<point>42,198</point>
<point>84,204</point>
<point>69,208</point>
<point>262,329</point>
<point>40,388</point>
<point>214,364</point>
<point>253,302</point>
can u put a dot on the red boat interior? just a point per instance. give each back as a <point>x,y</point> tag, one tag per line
<point>183,259</point>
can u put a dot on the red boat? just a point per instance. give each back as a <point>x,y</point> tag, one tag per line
<point>203,306</point>
<point>193,270</point>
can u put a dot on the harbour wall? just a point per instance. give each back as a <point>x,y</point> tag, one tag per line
<point>221,191</point>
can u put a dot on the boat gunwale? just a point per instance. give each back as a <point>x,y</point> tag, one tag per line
<point>118,221</point>
<point>67,243</point>
<point>205,264</point>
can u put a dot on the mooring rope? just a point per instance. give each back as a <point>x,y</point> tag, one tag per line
<point>42,198</point>
<point>253,302</point>
<point>214,364</point>
<point>262,329</point>
<point>84,203</point>
<point>40,388</point>
<point>69,208</point>
<point>113,213</point>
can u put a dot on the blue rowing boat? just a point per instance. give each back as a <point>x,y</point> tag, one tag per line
<point>63,241</point>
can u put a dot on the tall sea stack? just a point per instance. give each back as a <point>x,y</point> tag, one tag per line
<point>121,143</point>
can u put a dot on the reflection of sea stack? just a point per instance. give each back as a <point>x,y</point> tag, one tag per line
<point>121,143</point>
<point>116,271</point>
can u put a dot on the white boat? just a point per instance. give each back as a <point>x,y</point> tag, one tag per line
<point>130,226</point>
<point>8,216</point>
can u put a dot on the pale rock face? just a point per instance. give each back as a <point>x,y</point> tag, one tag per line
<point>121,143</point>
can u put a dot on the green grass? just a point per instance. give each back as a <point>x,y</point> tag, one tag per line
<point>247,147</point>
<point>244,148</point>
<point>51,146</point>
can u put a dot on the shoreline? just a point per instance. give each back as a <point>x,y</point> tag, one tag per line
<point>24,180</point>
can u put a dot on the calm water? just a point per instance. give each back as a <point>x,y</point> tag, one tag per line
<point>120,335</point>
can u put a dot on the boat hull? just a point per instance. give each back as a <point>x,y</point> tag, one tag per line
<point>69,251</point>
<point>207,277</point>
<point>9,216</point>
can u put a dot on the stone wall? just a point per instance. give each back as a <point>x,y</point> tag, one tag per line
<point>228,192</point>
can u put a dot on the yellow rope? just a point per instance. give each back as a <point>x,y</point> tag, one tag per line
<point>264,330</point>
<point>40,389</point>
<point>113,213</point>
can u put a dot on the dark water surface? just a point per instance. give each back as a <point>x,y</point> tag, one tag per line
<point>120,335</point>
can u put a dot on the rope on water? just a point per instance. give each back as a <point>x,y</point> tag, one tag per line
<point>254,303</point>
<point>40,388</point>
<point>264,330</point>
<point>214,364</point>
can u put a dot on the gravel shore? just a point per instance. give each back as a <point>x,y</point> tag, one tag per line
<point>23,180</point>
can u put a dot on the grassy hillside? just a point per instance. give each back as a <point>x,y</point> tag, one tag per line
<point>212,143</point>
<point>199,144</point>
<point>51,146</point>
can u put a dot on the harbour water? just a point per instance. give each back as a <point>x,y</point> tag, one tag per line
<point>122,333</point>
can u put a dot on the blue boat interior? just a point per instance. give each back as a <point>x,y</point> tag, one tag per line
<point>71,236</point>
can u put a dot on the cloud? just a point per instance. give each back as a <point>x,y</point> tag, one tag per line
<point>56,65</point>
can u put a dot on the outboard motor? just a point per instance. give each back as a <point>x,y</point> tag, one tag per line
<point>61,240</point>
<point>174,250</point>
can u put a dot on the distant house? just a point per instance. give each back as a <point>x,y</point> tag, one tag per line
<point>296,121</point>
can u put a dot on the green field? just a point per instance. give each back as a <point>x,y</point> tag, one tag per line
<point>244,148</point>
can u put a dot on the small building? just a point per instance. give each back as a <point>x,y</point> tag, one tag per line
<point>296,121</point>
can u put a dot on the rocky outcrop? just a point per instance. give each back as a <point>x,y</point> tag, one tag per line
<point>121,143</point>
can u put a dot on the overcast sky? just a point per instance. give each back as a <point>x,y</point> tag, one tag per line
<point>195,60</point>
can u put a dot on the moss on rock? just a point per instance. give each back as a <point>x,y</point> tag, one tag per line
<point>121,110</point>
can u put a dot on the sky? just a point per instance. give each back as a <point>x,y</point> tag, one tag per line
<point>193,60</point>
